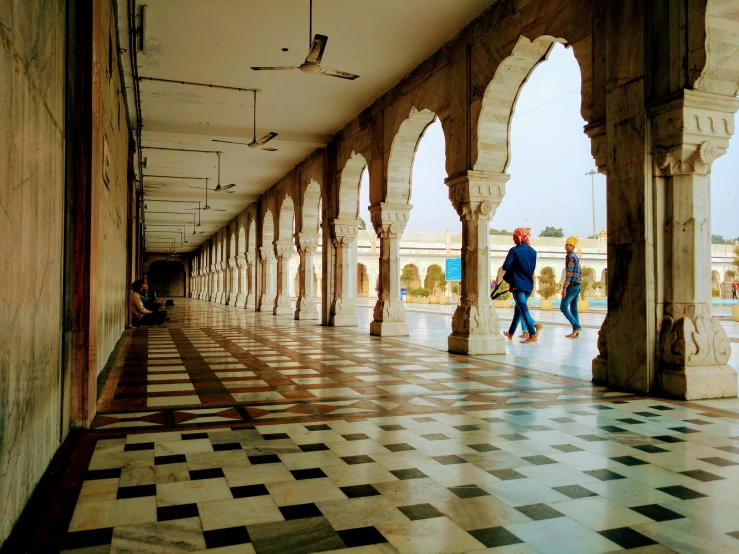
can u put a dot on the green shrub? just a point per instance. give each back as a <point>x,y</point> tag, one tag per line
<point>419,292</point>
<point>456,289</point>
<point>598,286</point>
<point>715,292</point>
<point>435,280</point>
<point>547,283</point>
<point>588,278</point>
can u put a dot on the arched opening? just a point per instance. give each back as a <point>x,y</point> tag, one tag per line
<point>268,264</point>
<point>166,278</point>
<point>285,248</point>
<point>363,284</point>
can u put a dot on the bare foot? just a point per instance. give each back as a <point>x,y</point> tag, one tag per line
<point>507,335</point>
<point>538,327</point>
<point>532,338</point>
<point>575,334</point>
<point>524,335</point>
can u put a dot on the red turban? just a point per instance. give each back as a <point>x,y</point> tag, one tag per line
<point>522,233</point>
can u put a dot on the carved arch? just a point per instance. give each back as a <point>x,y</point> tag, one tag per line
<point>311,208</point>
<point>403,152</point>
<point>285,219</point>
<point>349,186</point>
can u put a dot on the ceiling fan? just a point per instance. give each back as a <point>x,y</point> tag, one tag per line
<point>313,59</point>
<point>218,188</point>
<point>206,207</point>
<point>254,142</point>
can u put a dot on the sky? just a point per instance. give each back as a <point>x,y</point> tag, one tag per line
<point>550,156</point>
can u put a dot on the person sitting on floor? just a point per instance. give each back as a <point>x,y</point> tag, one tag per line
<point>139,314</point>
<point>150,303</point>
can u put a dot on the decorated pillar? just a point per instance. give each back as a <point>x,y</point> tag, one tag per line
<point>213,283</point>
<point>222,282</point>
<point>344,302</point>
<point>389,221</point>
<point>234,286</point>
<point>251,303</point>
<point>267,299</point>
<point>690,132</point>
<point>476,196</point>
<point>284,253</point>
<point>240,279</point>
<point>305,307</point>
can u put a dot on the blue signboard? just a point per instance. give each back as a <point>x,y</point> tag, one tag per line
<point>453,270</point>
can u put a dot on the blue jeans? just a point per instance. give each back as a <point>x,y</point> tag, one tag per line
<point>568,306</point>
<point>522,311</point>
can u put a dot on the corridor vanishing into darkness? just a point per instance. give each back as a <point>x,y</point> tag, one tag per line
<point>230,428</point>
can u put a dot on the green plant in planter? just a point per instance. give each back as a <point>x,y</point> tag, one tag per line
<point>715,292</point>
<point>731,275</point>
<point>407,277</point>
<point>435,280</point>
<point>456,289</point>
<point>547,283</point>
<point>419,292</point>
<point>588,278</point>
<point>598,287</point>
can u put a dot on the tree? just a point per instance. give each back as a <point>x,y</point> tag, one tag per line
<point>408,276</point>
<point>500,232</point>
<point>362,224</point>
<point>718,239</point>
<point>552,232</point>
<point>435,280</point>
<point>547,283</point>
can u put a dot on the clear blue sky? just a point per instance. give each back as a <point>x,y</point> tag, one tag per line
<point>550,155</point>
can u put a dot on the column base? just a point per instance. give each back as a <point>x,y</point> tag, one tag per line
<point>474,345</point>
<point>600,370</point>
<point>389,329</point>
<point>306,314</point>
<point>282,310</point>
<point>250,306</point>
<point>698,382</point>
<point>343,320</point>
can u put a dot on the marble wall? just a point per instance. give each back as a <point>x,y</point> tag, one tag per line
<point>108,286</point>
<point>32,69</point>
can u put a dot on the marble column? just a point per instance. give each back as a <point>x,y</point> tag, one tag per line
<point>240,279</point>
<point>476,196</point>
<point>251,303</point>
<point>223,276</point>
<point>305,307</point>
<point>213,283</point>
<point>234,287</point>
<point>389,221</point>
<point>690,132</point>
<point>344,302</point>
<point>267,299</point>
<point>284,252</point>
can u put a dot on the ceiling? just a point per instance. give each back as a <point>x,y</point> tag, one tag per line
<point>216,42</point>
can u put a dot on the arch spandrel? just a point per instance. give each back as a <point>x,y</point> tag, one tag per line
<point>349,184</point>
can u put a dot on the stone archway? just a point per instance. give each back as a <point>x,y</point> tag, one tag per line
<point>402,154</point>
<point>363,284</point>
<point>308,240</point>
<point>284,249</point>
<point>268,263</point>
<point>166,278</point>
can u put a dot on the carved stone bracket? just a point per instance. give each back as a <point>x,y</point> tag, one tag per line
<point>389,220</point>
<point>598,145</point>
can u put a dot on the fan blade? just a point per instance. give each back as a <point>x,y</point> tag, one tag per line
<point>269,149</point>
<point>281,68</point>
<point>191,209</point>
<point>231,142</point>
<point>199,188</point>
<point>226,187</point>
<point>316,49</point>
<point>266,138</point>
<point>217,210</point>
<point>339,74</point>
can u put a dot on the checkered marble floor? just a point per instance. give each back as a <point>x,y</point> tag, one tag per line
<point>254,433</point>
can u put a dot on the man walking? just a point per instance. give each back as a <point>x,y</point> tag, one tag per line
<point>519,269</point>
<point>571,287</point>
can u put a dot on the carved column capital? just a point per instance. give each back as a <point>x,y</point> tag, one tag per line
<point>231,263</point>
<point>344,232</point>
<point>240,261</point>
<point>477,194</point>
<point>389,220</point>
<point>691,130</point>
<point>267,253</point>
<point>213,268</point>
<point>596,132</point>
<point>249,257</point>
<point>307,242</point>
<point>284,249</point>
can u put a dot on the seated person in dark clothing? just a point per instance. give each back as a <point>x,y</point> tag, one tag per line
<point>139,314</point>
<point>150,303</point>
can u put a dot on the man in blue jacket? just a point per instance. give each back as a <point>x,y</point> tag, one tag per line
<point>519,267</point>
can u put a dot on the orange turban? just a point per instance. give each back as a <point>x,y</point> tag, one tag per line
<point>522,233</point>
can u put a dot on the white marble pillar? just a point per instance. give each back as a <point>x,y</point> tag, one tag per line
<point>344,302</point>
<point>267,299</point>
<point>222,275</point>
<point>213,283</point>
<point>476,196</point>
<point>389,221</point>
<point>234,286</point>
<point>251,303</point>
<point>305,307</point>
<point>240,278</point>
<point>284,253</point>
<point>690,132</point>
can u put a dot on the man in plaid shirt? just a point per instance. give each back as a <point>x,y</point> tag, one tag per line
<point>571,287</point>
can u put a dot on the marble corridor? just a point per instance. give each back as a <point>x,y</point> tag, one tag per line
<point>235,431</point>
